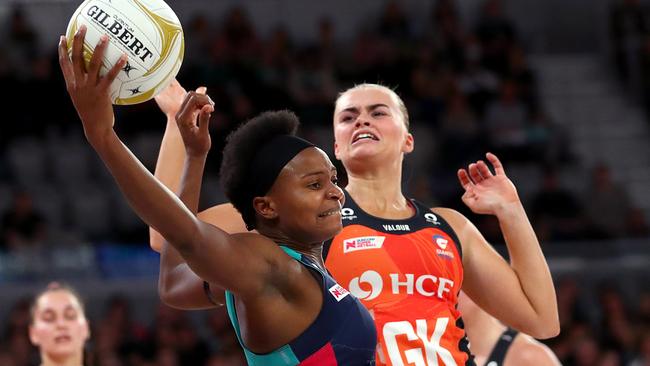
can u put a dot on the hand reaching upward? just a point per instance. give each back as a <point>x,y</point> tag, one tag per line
<point>487,193</point>
<point>170,99</point>
<point>88,90</point>
<point>193,119</point>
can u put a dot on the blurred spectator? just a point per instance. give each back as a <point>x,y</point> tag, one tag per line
<point>606,203</point>
<point>428,85</point>
<point>191,349</point>
<point>198,34</point>
<point>643,356</point>
<point>617,331</point>
<point>644,77</point>
<point>636,224</point>
<point>167,357</point>
<point>628,24</point>
<point>643,309</point>
<point>586,352</point>
<point>571,309</point>
<point>520,72</point>
<point>393,24</point>
<point>226,342</point>
<point>313,87</point>
<point>506,123</point>
<point>22,226</point>
<point>556,212</point>
<point>479,84</point>
<point>328,48</point>
<point>447,34</point>
<point>238,37</point>
<point>548,142</point>
<point>6,359</point>
<point>496,34</point>
<point>610,358</point>
<point>14,338</point>
<point>459,132</point>
<point>20,43</point>
<point>276,59</point>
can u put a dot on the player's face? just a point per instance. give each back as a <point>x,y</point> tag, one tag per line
<point>308,201</point>
<point>369,127</point>
<point>60,328</point>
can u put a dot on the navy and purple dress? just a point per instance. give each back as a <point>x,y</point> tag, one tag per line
<point>342,334</point>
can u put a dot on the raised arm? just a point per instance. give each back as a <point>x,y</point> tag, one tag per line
<point>521,294</point>
<point>178,285</point>
<point>209,251</point>
<point>171,159</point>
<point>172,155</point>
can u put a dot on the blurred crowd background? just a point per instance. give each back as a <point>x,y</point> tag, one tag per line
<point>564,101</point>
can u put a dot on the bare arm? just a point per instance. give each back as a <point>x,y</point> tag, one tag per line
<point>171,156</point>
<point>208,250</point>
<point>170,163</point>
<point>178,285</point>
<point>521,294</point>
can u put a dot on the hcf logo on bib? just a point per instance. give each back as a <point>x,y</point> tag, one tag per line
<point>370,284</point>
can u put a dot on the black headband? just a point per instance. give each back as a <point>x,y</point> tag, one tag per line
<point>269,161</point>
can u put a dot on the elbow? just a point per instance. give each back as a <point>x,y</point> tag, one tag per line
<point>165,291</point>
<point>167,294</point>
<point>155,240</point>
<point>546,330</point>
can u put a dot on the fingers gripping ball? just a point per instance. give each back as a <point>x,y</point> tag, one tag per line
<point>147,31</point>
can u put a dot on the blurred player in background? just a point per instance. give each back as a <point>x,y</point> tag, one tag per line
<point>58,326</point>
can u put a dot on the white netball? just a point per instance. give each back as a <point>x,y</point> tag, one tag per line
<point>150,34</point>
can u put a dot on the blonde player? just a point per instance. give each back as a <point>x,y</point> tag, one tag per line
<point>405,261</point>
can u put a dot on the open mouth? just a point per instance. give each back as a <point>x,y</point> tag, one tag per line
<point>332,212</point>
<point>364,136</point>
<point>62,339</point>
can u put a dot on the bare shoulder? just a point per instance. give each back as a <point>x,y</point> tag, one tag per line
<point>283,275</point>
<point>224,216</point>
<point>462,226</point>
<point>221,209</point>
<point>453,217</point>
<point>525,350</point>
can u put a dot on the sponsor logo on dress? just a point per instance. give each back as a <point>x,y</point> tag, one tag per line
<point>396,227</point>
<point>369,285</point>
<point>442,243</point>
<point>348,214</point>
<point>338,292</point>
<point>431,218</point>
<point>363,243</point>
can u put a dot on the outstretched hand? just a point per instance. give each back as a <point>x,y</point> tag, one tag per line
<point>487,193</point>
<point>88,90</point>
<point>170,99</point>
<point>193,120</point>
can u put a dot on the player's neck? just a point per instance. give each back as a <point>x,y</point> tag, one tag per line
<point>380,195</point>
<point>76,360</point>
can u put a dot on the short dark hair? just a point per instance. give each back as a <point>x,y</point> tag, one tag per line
<point>240,150</point>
